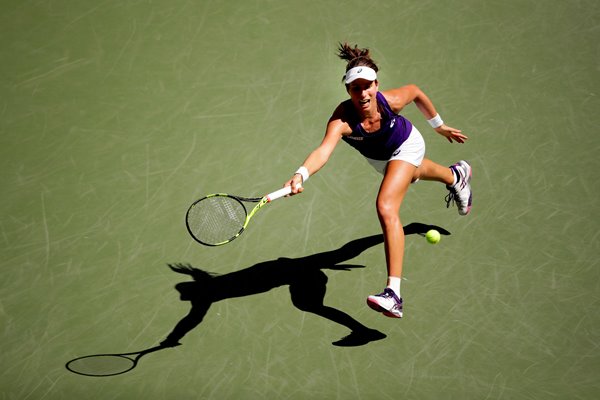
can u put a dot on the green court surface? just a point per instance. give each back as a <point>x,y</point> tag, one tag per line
<point>116,115</point>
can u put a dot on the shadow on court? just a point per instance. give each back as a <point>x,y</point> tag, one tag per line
<point>305,277</point>
<point>307,285</point>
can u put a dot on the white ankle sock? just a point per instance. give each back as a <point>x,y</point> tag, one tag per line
<point>394,284</point>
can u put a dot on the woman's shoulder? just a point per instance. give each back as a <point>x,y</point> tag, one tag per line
<point>399,97</point>
<point>345,110</point>
<point>392,96</point>
<point>395,98</point>
<point>344,117</point>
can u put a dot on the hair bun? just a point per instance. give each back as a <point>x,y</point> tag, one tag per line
<point>355,56</point>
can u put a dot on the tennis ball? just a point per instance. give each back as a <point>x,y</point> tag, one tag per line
<point>432,236</point>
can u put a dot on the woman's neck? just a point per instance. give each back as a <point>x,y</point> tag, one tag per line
<point>371,114</point>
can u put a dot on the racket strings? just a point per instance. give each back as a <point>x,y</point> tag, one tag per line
<point>217,219</point>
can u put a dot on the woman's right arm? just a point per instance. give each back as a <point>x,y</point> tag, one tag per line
<point>336,127</point>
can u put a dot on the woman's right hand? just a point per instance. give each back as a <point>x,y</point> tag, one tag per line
<point>296,183</point>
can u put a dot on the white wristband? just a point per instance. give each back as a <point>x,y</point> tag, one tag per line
<point>436,121</point>
<point>303,172</point>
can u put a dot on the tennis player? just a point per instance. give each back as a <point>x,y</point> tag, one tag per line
<point>370,122</point>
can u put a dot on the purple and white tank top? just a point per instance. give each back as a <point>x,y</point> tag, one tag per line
<point>379,145</point>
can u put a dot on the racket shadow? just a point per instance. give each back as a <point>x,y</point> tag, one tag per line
<point>108,364</point>
<point>305,277</point>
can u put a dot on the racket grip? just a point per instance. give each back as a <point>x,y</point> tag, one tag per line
<point>280,193</point>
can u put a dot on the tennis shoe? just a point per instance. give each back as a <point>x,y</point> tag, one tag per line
<point>387,303</point>
<point>460,192</point>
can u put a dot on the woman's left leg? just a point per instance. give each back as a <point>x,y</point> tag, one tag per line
<point>394,186</point>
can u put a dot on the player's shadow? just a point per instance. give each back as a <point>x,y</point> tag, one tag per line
<point>305,277</point>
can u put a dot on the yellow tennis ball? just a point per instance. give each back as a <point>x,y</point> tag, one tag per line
<point>432,236</point>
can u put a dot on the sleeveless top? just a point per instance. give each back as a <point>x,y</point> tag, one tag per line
<point>381,144</point>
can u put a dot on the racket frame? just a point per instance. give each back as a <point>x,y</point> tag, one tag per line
<point>262,201</point>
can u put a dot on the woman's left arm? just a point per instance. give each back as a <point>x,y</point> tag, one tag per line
<point>398,98</point>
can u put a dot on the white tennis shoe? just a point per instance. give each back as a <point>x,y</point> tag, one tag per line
<point>460,192</point>
<point>387,303</point>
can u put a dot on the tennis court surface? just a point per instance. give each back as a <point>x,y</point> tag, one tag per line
<point>117,115</point>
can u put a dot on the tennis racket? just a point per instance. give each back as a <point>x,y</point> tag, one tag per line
<point>219,218</point>
<point>108,364</point>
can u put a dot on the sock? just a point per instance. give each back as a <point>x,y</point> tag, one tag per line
<point>394,284</point>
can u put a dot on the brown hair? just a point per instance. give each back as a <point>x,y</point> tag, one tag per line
<point>356,57</point>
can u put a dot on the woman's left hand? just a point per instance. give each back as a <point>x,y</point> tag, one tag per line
<point>452,134</point>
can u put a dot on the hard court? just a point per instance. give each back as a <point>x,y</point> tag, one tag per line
<point>116,115</point>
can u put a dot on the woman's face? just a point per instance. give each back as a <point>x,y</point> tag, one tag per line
<point>363,93</point>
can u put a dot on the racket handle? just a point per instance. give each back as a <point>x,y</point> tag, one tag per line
<point>280,193</point>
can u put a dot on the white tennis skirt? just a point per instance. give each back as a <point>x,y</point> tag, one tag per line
<point>412,151</point>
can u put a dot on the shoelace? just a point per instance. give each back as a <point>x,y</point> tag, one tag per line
<point>389,295</point>
<point>450,198</point>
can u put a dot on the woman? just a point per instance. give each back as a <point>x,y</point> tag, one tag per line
<point>369,121</point>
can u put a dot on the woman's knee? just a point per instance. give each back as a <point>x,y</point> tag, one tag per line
<point>387,209</point>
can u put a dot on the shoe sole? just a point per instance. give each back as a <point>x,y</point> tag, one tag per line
<point>375,306</point>
<point>389,314</point>
<point>471,194</point>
